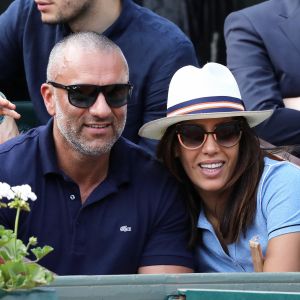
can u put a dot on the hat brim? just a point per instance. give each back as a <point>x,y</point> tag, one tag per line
<point>155,129</point>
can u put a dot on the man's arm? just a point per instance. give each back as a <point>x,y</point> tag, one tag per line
<point>248,59</point>
<point>166,247</point>
<point>161,269</point>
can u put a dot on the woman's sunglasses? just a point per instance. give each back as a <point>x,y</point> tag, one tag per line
<point>193,136</point>
<point>85,95</point>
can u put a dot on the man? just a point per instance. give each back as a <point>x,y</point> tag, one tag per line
<point>263,51</point>
<point>154,48</point>
<point>103,203</point>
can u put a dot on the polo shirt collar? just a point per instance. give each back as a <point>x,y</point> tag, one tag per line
<point>47,149</point>
<point>119,161</point>
<point>65,29</point>
<point>119,165</point>
<point>203,223</point>
<point>118,173</point>
<point>123,20</point>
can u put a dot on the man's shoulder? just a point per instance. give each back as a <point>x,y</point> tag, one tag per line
<point>22,8</point>
<point>139,161</point>
<point>260,11</point>
<point>153,25</point>
<point>133,153</point>
<point>16,146</point>
<point>22,16</point>
<point>256,18</point>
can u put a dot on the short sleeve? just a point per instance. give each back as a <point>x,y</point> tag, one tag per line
<point>168,241</point>
<point>280,197</point>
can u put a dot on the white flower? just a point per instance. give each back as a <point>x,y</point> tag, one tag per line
<point>24,192</point>
<point>5,191</point>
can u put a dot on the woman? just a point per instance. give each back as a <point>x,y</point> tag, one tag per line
<point>235,191</point>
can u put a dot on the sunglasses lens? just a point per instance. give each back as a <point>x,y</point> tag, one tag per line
<point>191,136</point>
<point>228,134</point>
<point>117,95</point>
<point>83,96</point>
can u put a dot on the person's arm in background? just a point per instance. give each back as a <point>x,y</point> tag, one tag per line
<point>10,65</point>
<point>158,83</point>
<point>248,59</point>
<point>7,108</point>
<point>8,126</point>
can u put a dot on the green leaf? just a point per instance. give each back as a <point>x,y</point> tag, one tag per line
<point>14,274</point>
<point>23,275</point>
<point>8,251</point>
<point>39,274</point>
<point>5,235</point>
<point>41,252</point>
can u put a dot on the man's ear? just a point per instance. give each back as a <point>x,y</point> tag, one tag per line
<point>47,93</point>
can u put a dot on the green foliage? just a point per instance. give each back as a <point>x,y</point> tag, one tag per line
<point>41,252</point>
<point>23,275</point>
<point>16,271</point>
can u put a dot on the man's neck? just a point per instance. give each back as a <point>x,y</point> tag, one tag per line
<point>100,16</point>
<point>87,173</point>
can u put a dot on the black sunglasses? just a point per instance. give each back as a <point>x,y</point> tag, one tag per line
<point>193,136</point>
<point>85,95</point>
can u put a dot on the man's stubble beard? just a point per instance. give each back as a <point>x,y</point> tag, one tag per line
<point>78,143</point>
<point>74,16</point>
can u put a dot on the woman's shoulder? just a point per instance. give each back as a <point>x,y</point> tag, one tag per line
<point>280,172</point>
<point>277,165</point>
<point>278,196</point>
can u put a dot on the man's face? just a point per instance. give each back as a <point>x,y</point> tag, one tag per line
<point>62,11</point>
<point>90,131</point>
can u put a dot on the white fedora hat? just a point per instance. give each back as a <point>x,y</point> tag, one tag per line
<point>202,93</point>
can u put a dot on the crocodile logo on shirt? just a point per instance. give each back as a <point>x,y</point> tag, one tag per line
<point>125,228</point>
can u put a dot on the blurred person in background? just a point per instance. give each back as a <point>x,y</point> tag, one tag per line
<point>153,46</point>
<point>263,51</point>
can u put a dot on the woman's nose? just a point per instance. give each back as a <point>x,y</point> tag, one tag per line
<point>210,145</point>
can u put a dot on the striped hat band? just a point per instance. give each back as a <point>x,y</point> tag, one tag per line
<point>206,105</point>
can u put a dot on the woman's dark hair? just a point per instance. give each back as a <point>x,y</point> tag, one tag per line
<point>241,206</point>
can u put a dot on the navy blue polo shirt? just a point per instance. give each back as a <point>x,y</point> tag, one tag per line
<point>154,48</point>
<point>135,217</point>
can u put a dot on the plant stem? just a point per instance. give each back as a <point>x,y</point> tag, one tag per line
<point>16,228</point>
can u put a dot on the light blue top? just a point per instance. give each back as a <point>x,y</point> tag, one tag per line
<point>278,212</point>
